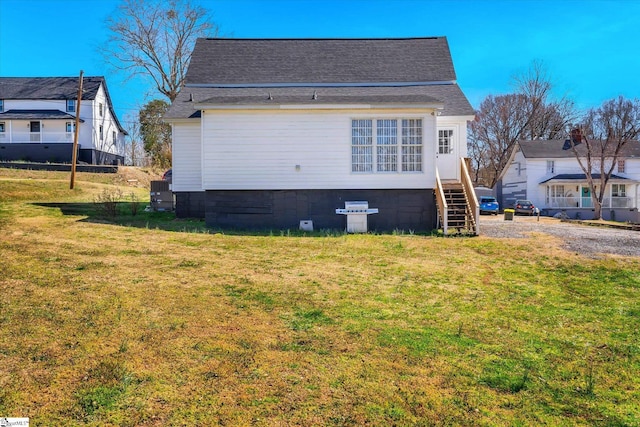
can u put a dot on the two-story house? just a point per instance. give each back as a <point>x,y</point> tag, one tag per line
<point>548,174</point>
<point>37,120</point>
<point>270,132</point>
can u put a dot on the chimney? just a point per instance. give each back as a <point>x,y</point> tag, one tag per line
<point>576,136</point>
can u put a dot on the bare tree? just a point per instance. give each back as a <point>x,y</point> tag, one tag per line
<point>600,141</point>
<point>503,120</point>
<point>155,38</point>
<point>499,124</point>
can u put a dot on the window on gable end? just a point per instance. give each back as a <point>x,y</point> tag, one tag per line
<point>621,165</point>
<point>551,166</point>
<point>100,109</point>
<point>71,106</point>
<point>100,130</point>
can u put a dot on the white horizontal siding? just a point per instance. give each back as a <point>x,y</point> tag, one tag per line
<point>297,150</point>
<point>186,157</point>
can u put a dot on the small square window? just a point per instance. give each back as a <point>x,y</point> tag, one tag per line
<point>71,106</point>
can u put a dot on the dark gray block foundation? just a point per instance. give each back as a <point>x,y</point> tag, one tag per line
<point>404,209</point>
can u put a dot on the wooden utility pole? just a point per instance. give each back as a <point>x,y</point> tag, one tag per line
<point>74,155</point>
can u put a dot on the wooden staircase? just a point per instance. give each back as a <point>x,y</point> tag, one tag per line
<point>459,216</point>
<point>458,208</point>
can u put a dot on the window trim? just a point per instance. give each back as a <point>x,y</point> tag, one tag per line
<point>1,105</point>
<point>621,190</point>
<point>370,150</point>
<point>449,139</point>
<point>71,106</point>
<point>551,166</point>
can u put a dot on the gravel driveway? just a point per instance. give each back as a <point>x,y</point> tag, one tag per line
<point>588,240</point>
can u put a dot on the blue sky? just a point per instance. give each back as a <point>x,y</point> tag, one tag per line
<point>590,48</point>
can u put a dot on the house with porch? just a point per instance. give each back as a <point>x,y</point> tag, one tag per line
<point>548,174</point>
<point>37,121</point>
<point>268,133</point>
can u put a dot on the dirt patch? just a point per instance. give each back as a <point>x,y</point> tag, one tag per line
<point>137,177</point>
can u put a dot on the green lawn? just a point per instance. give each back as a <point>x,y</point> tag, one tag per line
<point>148,320</point>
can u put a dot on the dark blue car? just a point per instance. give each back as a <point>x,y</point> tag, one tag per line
<point>489,205</point>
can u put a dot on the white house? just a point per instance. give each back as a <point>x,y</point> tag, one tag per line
<point>269,132</point>
<point>37,120</point>
<point>548,174</point>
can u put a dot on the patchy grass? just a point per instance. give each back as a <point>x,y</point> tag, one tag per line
<point>145,320</point>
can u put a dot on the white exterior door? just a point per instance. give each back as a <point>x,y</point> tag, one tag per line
<point>446,156</point>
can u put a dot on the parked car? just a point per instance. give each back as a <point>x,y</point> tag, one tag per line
<point>489,205</point>
<point>167,176</point>
<point>524,207</point>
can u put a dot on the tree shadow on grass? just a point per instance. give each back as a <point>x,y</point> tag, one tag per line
<point>128,214</point>
<point>166,221</point>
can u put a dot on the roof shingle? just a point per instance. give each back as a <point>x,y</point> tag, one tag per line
<point>271,61</point>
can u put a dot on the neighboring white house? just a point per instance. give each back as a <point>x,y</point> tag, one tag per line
<point>269,132</point>
<point>548,174</point>
<point>37,120</point>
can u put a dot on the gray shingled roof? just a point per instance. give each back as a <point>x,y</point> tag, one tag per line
<point>36,115</point>
<point>555,148</point>
<point>260,61</point>
<point>55,88</point>
<point>228,72</point>
<point>450,96</point>
<point>580,177</point>
<point>48,87</point>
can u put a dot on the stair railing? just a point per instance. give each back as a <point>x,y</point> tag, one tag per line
<point>442,204</point>
<point>472,200</point>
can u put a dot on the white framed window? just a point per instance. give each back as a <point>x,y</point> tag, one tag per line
<point>557,191</point>
<point>361,146</point>
<point>551,166</point>
<point>71,106</point>
<point>387,145</point>
<point>411,145</point>
<point>100,109</point>
<point>375,142</point>
<point>445,141</point>
<point>2,130</point>
<point>70,127</point>
<point>621,165</point>
<point>618,190</point>
<point>1,105</point>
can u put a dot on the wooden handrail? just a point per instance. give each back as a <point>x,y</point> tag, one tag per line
<point>467,184</point>
<point>442,203</point>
